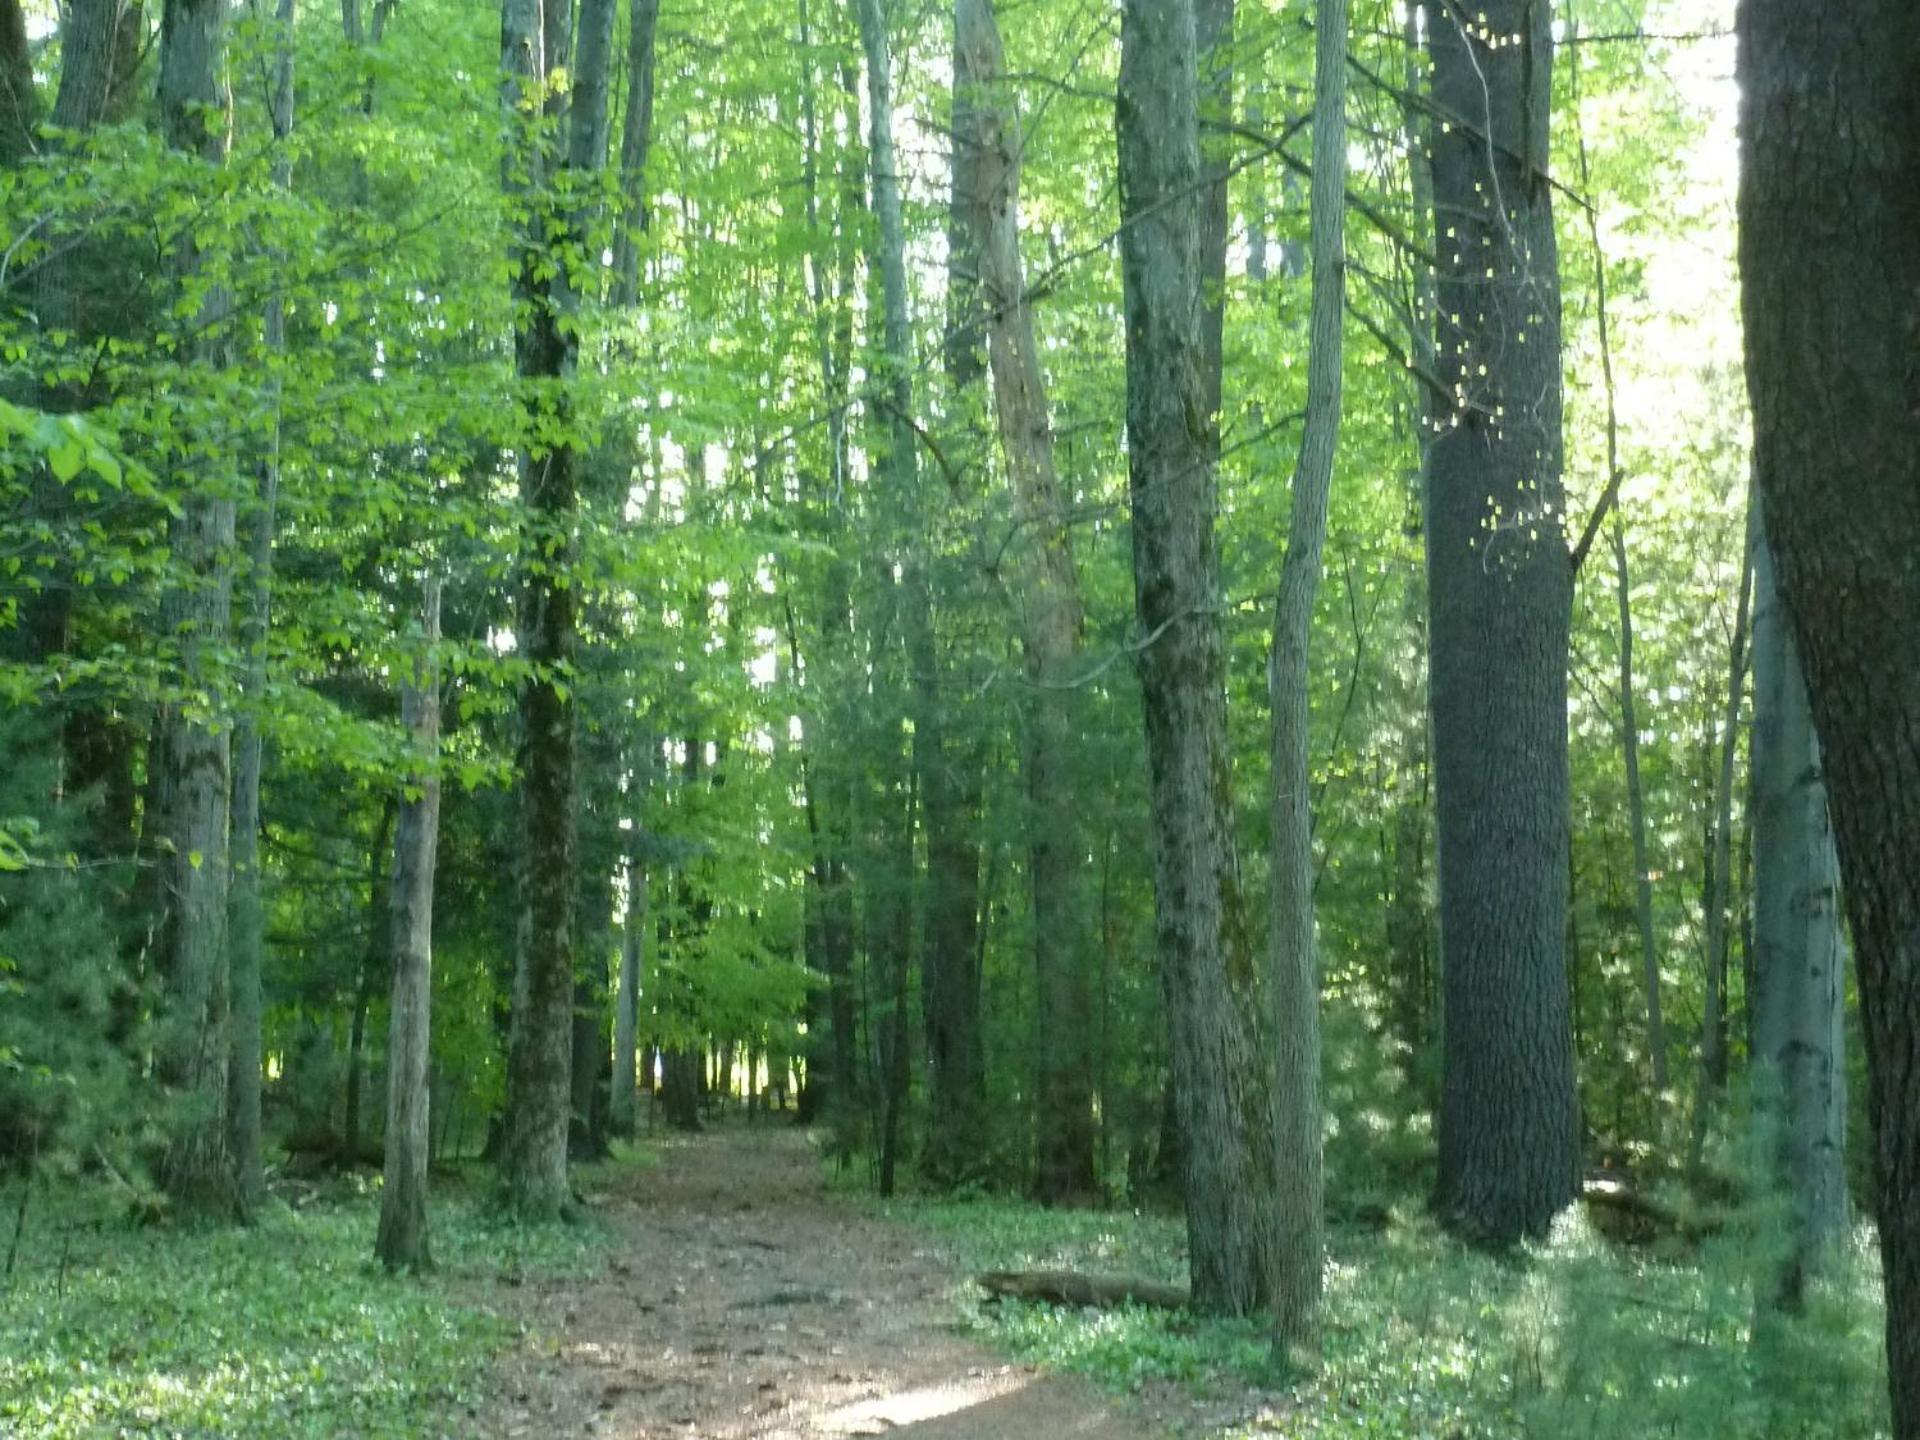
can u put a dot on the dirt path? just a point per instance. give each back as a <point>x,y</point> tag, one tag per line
<point>746,1302</point>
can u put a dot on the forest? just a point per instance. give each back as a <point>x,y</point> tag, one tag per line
<point>1154,716</point>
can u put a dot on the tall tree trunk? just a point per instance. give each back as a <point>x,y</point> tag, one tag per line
<point>1830,124</point>
<point>374,960</point>
<point>534,43</point>
<point>833,1081</point>
<point>19,98</point>
<point>1499,594</point>
<point>899,470</point>
<point>1300,1256</point>
<point>402,1240</point>
<point>197,615</point>
<point>248,917</point>
<point>1637,822</point>
<point>636,143</point>
<point>1799,1004</point>
<point>1721,880</point>
<point>1051,616</point>
<point>1206,951</point>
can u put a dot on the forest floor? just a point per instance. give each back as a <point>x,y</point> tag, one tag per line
<point>745,1301</point>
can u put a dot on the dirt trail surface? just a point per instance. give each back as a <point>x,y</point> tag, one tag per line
<point>745,1303</point>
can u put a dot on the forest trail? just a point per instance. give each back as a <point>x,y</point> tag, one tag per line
<point>745,1302</point>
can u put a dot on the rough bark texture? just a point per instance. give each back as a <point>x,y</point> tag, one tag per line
<point>196,754</point>
<point>890,939</point>
<point>1499,601</point>
<point>1831,127</point>
<point>1300,1183</point>
<point>248,930</point>
<point>636,140</point>
<point>1051,618</point>
<point>539,1063</point>
<point>19,99</point>
<point>1205,950</point>
<point>402,1240</point>
<point>1637,820</point>
<point>1799,996</point>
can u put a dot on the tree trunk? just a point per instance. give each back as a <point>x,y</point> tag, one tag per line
<point>1721,886</point>
<point>1830,125</point>
<point>636,142</point>
<point>1799,1004</point>
<point>1051,616</point>
<point>1300,1256</point>
<point>1499,595</point>
<point>1206,951</point>
<point>402,1240</point>
<point>546,346</point>
<point>1637,823</point>
<point>19,99</point>
<point>197,614</point>
<point>248,919</point>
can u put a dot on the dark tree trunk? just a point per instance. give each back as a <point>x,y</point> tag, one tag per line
<point>196,616</point>
<point>401,1243</point>
<point>19,98</point>
<point>1499,595</point>
<point>248,927</point>
<point>1830,254</point>
<point>1207,953</point>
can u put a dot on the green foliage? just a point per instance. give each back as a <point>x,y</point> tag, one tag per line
<point>1424,1338</point>
<point>69,1047</point>
<point>285,1328</point>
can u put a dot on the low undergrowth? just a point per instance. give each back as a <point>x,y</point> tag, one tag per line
<point>1425,1339</point>
<point>284,1328</point>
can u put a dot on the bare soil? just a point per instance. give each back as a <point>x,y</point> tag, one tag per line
<point>746,1301</point>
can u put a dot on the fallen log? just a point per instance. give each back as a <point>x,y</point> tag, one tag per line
<point>1067,1287</point>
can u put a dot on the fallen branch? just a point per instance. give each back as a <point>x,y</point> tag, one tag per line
<point>1065,1287</point>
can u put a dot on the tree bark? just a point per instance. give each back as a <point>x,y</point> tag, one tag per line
<point>19,97</point>
<point>1500,605</point>
<point>1799,1001</point>
<point>1051,616</point>
<point>636,143</point>
<point>401,1243</point>
<point>196,749</point>
<point>1301,1191</point>
<point>534,43</point>
<point>1202,935</point>
<point>890,941</point>
<point>1830,124</point>
<point>248,917</point>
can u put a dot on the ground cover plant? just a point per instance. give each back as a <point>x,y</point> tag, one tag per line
<point>114,1324</point>
<point>1424,1338</point>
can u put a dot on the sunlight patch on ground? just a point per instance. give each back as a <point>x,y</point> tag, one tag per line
<point>910,1407</point>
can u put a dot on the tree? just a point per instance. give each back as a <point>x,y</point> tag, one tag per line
<point>534,48</point>
<point>1301,1204</point>
<point>1831,166</point>
<point>402,1241</point>
<point>987,188</point>
<point>1799,999</point>
<point>1201,930</point>
<point>1499,602</point>
<point>247,926</point>
<point>196,754</point>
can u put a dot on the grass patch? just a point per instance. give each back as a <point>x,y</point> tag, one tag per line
<point>285,1329</point>
<point>1426,1339</point>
